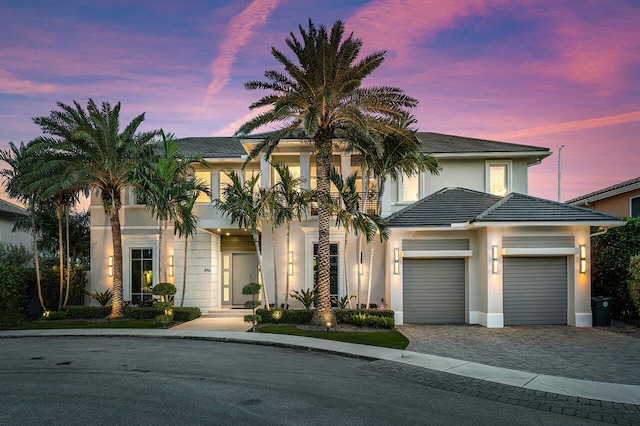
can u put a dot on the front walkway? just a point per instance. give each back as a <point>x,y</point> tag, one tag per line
<point>579,353</point>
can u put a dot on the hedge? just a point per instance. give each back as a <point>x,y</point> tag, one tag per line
<point>14,293</point>
<point>186,314</point>
<point>288,316</point>
<point>87,312</point>
<point>179,314</point>
<point>361,317</point>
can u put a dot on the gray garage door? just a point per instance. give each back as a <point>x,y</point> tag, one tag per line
<point>535,290</point>
<point>433,291</point>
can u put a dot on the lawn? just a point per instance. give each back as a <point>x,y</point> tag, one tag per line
<point>386,339</point>
<point>47,325</point>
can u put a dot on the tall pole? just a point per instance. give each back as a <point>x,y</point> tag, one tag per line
<point>560,173</point>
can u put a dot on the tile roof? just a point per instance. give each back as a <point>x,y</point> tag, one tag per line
<point>616,189</point>
<point>437,143</point>
<point>458,205</point>
<point>10,209</point>
<point>212,147</point>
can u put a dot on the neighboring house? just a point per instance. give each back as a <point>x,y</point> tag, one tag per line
<point>9,214</point>
<point>487,254</point>
<point>622,199</point>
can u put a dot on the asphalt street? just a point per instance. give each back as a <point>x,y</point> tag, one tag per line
<point>136,381</point>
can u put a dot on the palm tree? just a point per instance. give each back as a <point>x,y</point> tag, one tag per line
<point>244,204</point>
<point>391,155</point>
<point>322,95</point>
<point>185,224</point>
<point>22,163</point>
<point>101,157</point>
<point>159,184</point>
<point>293,202</point>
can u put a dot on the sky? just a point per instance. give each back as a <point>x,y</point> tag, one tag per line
<point>548,73</point>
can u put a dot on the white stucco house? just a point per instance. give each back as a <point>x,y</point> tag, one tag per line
<point>466,246</point>
<point>9,214</point>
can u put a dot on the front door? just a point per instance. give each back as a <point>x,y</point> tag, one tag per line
<point>141,275</point>
<point>244,270</point>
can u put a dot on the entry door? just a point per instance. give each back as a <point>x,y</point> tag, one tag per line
<point>244,267</point>
<point>141,274</point>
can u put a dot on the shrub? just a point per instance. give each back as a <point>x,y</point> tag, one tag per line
<point>13,255</point>
<point>14,293</point>
<point>289,316</point>
<point>634,283</point>
<point>366,318</point>
<point>163,320</point>
<point>306,297</point>
<point>103,298</point>
<point>141,313</point>
<point>50,280</point>
<point>87,312</point>
<point>610,257</point>
<point>54,315</point>
<point>186,314</point>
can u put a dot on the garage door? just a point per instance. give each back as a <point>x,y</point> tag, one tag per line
<point>433,291</point>
<point>535,290</point>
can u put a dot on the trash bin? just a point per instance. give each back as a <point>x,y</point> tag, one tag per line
<point>601,310</point>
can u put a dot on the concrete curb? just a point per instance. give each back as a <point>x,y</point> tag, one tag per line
<point>613,392</point>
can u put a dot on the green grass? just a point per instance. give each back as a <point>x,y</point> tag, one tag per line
<point>49,325</point>
<point>385,339</point>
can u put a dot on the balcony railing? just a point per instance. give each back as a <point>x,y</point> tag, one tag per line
<point>370,205</point>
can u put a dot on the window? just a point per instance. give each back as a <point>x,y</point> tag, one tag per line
<point>141,275</point>
<point>275,177</point>
<point>224,181</point>
<point>409,188</point>
<point>497,176</point>
<point>635,207</point>
<point>333,269</point>
<point>204,177</point>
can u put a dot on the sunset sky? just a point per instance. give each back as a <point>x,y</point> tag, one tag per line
<point>537,72</point>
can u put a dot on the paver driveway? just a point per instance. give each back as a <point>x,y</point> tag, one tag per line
<point>580,353</point>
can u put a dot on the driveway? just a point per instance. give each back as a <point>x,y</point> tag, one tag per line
<point>580,353</point>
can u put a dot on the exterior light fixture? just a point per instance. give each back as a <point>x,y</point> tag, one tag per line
<point>494,256</point>
<point>290,263</point>
<point>583,259</point>
<point>171,265</point>
<point>110,266</point>
<point>396,261</point>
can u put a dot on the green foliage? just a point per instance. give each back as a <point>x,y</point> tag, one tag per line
<point>164,289</point>
<point>50,281</point>
<point>251,304</point>
<point>287,316</point>
<point>634,284</point>
<point>386,339</point>
<point>103,298</point>
<point>343,302</point>
<point>252,318</point>
<point>251,289</point>
<point>141,313</point>
<point>163,307</point>
<point>366,318</point>
<point>13,255</point>
<point>54,315</point>
<point>186,314</point>
<point>87,312</point>
<point>306,297</point>
<point>610,257</point>
<point>14,293</point>
<point>163,320</point>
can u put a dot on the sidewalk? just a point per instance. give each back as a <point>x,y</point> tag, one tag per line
<point>613,392</point>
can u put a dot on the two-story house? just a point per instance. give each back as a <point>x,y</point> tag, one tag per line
<point>467,245</point>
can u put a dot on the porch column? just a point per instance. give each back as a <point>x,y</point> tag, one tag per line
<point>265,171</point>
<point>345,165</point>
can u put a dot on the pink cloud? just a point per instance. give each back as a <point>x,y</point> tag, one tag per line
<point>239,31</point>
<point>10,84</point>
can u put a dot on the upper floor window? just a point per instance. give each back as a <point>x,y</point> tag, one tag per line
<point>225,180</point>
<point>409,188</point>
<point>205,178</point>
<point>635,207</point>
<point>498,178</point>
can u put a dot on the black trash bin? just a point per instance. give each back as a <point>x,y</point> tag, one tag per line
<point>601,310</point>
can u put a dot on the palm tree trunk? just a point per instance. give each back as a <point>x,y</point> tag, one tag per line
<point>286,296</point>
<point>161,268</point>
<point>370,274</point>
<point>60,254</point>
<point>359,263</point>
<point>66,297</point>
<point>275,267</point>
<point>346,269</point>
<point>254,233</point>
<point>184,271</point>
<point>117,306</point>
<point>36,256</point>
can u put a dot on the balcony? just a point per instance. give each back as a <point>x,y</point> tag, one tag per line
<point>369,205</point>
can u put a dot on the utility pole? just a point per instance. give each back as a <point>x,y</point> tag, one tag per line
<point>560,173</point>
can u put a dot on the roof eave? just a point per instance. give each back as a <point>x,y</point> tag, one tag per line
<point>535,156</point>
<point>611,223</point>
<point>602,195</point>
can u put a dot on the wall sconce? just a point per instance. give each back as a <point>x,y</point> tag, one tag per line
<point>360,265</point>
<point>171,265</point>
<point>396,261</point>
<point>290,263</point>
<point>583,259</point>
<point>494,256</point>
<point>110,266</point>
